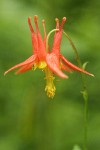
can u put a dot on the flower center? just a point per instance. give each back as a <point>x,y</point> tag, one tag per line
<point>50,87</point>
<point>41,65</point>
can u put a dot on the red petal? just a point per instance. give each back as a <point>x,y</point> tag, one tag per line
<point>34,43</point>
<point>41,45</point>
<point>69,64</point>
<point>58,36</point>
<point>57,42</point>
<point>28,61</point>
<point>53,64</point>
<point>66,68</point>
<point>25,68</point>
<point>34,37</point>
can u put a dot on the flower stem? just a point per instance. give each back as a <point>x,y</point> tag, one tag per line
<point>54,30</point>
<point>84,92</point>
<point>85,121</point>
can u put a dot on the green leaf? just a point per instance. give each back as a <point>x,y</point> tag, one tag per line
<point>85,64</point>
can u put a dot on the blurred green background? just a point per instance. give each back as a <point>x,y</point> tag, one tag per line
<point>29,120</point>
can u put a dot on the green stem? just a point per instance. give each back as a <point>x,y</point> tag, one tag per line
<point>85,122</point>
<point>84,92</point>
<point>49,36</point>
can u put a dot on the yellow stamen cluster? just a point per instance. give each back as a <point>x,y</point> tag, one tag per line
<point>41,65</point>
<point>50,88</point>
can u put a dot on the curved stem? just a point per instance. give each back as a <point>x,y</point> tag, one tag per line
<point>74,48</point>
<point>49,36</point>
<point>84,92</point>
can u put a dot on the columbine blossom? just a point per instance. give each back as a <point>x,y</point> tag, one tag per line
<point>55,60</point>
<point>39,52</point>
<point>38,59</point>
<point>49,62</point>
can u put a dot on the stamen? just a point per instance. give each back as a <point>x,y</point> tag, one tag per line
<point>36,22</point>
<point>57,23</point>
<point>42,65</point>
<point>63,22</point>
<point>50,87</point>
<point>30,25</point>
<point>44,28</point>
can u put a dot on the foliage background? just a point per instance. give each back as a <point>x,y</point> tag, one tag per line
<point>28,119</point>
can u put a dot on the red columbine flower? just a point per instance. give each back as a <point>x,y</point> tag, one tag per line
<point>55,60</point>
<point>42,58</point>
<point>39,52</point>
<point>38,59</point>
